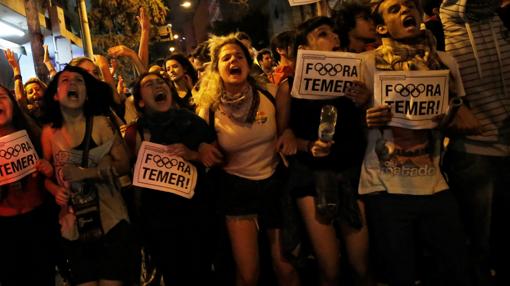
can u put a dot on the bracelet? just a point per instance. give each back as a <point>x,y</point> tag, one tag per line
<point>17,77</point>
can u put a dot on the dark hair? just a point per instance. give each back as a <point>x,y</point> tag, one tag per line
<point>429,5</point>
<point>20,120</point>
<point>345,19</point>
<point>99,97</point>
<point>137,89</point>
<point>263,52</point>
<point>377,17</point>
<point>285,41</point>
<point>201,52</point>
<point>306,27</point>
<point>186,65</point>
<point>243,36</point>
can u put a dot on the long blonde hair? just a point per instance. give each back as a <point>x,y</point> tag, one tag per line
<point>211,85</point>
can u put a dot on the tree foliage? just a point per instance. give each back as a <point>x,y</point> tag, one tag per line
<point>114,22</point>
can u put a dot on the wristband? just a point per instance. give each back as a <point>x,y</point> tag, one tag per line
<point>17,77</point>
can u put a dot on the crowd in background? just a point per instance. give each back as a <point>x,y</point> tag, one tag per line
<point>273,202</point>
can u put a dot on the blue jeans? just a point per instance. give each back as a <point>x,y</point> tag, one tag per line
<point>480,184</point>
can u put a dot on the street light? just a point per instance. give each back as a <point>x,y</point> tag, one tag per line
<point>176,36</point>
<point>186,4</point>
<point>172,49</point>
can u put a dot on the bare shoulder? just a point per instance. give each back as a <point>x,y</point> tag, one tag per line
<point>103,129</point>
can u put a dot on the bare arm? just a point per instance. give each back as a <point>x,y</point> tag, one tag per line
<point>61,194</point>
<point>47,62</point>
<point>143,49</point>
<point>123,51</point>
<point>18,83</point>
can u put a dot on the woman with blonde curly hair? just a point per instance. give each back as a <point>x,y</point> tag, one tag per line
<point>244,118</point>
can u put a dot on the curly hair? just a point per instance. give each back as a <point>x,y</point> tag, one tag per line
<point>211,85</point>
<point>99,97</point>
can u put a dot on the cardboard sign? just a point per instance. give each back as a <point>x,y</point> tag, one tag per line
<point>17,157</point>
<point>415,97</point>
<point>302,2</point>
<point>156,168</point>
<point>324,75</point>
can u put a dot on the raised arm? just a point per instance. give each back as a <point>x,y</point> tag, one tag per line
<point>18,82</point>
<point>143,49</point>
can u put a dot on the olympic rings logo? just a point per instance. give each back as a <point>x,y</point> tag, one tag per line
<point>328,69</point>
<point>165,161</point>
<point>409,89</point>
<point>10,152</point>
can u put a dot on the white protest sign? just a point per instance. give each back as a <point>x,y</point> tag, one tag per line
<point>324,75</point>
<point>159,170</point>
<point>302,2</point>
<point>17,157</point>
<point>415,97</point>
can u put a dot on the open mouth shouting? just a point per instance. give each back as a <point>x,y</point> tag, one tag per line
<point>235,70</point>
<point>73,95</point>
<point>160,96</point>
<point>410,22</point>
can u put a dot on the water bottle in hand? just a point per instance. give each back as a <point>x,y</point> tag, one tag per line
<point>328,123</point>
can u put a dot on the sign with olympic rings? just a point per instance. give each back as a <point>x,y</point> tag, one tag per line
<point>302,2</point>
<point>324,75</point>
<point>17,157</point>
<point>158,169</point>
<point>415,97</point>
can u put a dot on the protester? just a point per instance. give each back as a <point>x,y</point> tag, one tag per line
<point>408,211</point>
<point>282,47</point>
<point>265,60</point>
<point>94,221</point>
<point>27,217</point>
<point>176,230</point>
<point>183,76</point>
<point>320,165</point>
<point>355,27</point>
<point>244,119</point>
<point>478,164</point>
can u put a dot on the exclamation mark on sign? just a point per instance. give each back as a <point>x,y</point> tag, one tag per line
<point>187,183</point>
<point>437,106</point>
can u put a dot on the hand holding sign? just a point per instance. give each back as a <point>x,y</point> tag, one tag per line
<point>358,93</point>
<point>181,150</point>
<point>378,116</point>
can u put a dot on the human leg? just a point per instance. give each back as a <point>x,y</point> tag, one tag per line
<point>324,242</point>
<point>285,272</point>
<point>357,244</point>
<point>243,238</point>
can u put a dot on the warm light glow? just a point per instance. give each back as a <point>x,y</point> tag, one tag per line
<point>176,36</point>
<point>183,38</point>
<point>172,49</point>
<point>186,4</point>
<point>8,30</point>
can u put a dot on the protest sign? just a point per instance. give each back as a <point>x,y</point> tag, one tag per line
<point>415,97</point>
<point>324,75</point>
<point>302,2</point>
<point>156,168</point>
<point>17,157</point>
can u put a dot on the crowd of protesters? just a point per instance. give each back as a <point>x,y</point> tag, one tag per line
<point>271,201</point>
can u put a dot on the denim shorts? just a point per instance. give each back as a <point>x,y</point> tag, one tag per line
<point>244,198</point>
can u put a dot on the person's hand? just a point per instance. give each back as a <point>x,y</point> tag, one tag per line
<point>320,148</point>
<point>73,173</point>
<point>11,59</point>
<point>44,167</point>
<point>120,51</point>
<point>143,19</point>
<point>182,151</point>
<point>287,143</point>
<point>378,116</point>
<point>101,61</point>
<point>61,196</point>
<point>358,93</point>
<point>209,154</point>
<point>120,85</point>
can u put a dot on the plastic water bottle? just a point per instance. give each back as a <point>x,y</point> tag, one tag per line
<point>327,123</point>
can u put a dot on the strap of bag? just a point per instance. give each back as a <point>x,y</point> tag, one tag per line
<point>88,135</point>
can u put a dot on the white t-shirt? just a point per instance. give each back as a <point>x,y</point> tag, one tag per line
<point>249,149</point>
<point>411,171</point>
